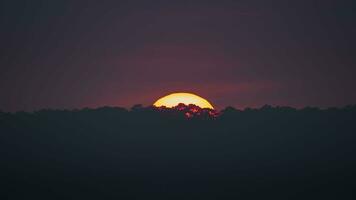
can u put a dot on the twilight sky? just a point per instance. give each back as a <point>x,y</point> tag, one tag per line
<point>75,54</point>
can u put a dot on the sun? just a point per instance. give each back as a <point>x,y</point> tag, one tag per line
<point>174,99</point>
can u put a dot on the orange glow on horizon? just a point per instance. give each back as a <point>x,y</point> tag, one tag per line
<point>174,99</point>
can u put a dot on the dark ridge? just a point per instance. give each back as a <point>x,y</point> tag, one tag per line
<point>161,153</point>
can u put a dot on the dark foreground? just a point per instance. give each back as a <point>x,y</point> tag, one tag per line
<point>112,153</point>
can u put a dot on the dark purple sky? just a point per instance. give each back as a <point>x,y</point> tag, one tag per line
<point>74,54</point>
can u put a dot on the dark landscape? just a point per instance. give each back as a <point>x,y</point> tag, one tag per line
<point>154,153</point>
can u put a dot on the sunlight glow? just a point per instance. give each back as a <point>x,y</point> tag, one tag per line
<point>174,99</point>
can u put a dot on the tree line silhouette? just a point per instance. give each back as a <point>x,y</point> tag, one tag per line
<point>183,152</point>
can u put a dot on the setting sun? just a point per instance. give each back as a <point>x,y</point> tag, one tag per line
<point>174,99</point>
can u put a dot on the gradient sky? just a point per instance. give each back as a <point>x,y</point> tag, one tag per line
<point>75,54</point>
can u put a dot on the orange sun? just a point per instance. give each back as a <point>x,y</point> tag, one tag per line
<point>174,99</point>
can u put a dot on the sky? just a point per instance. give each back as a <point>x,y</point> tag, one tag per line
<point>76,54</point>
